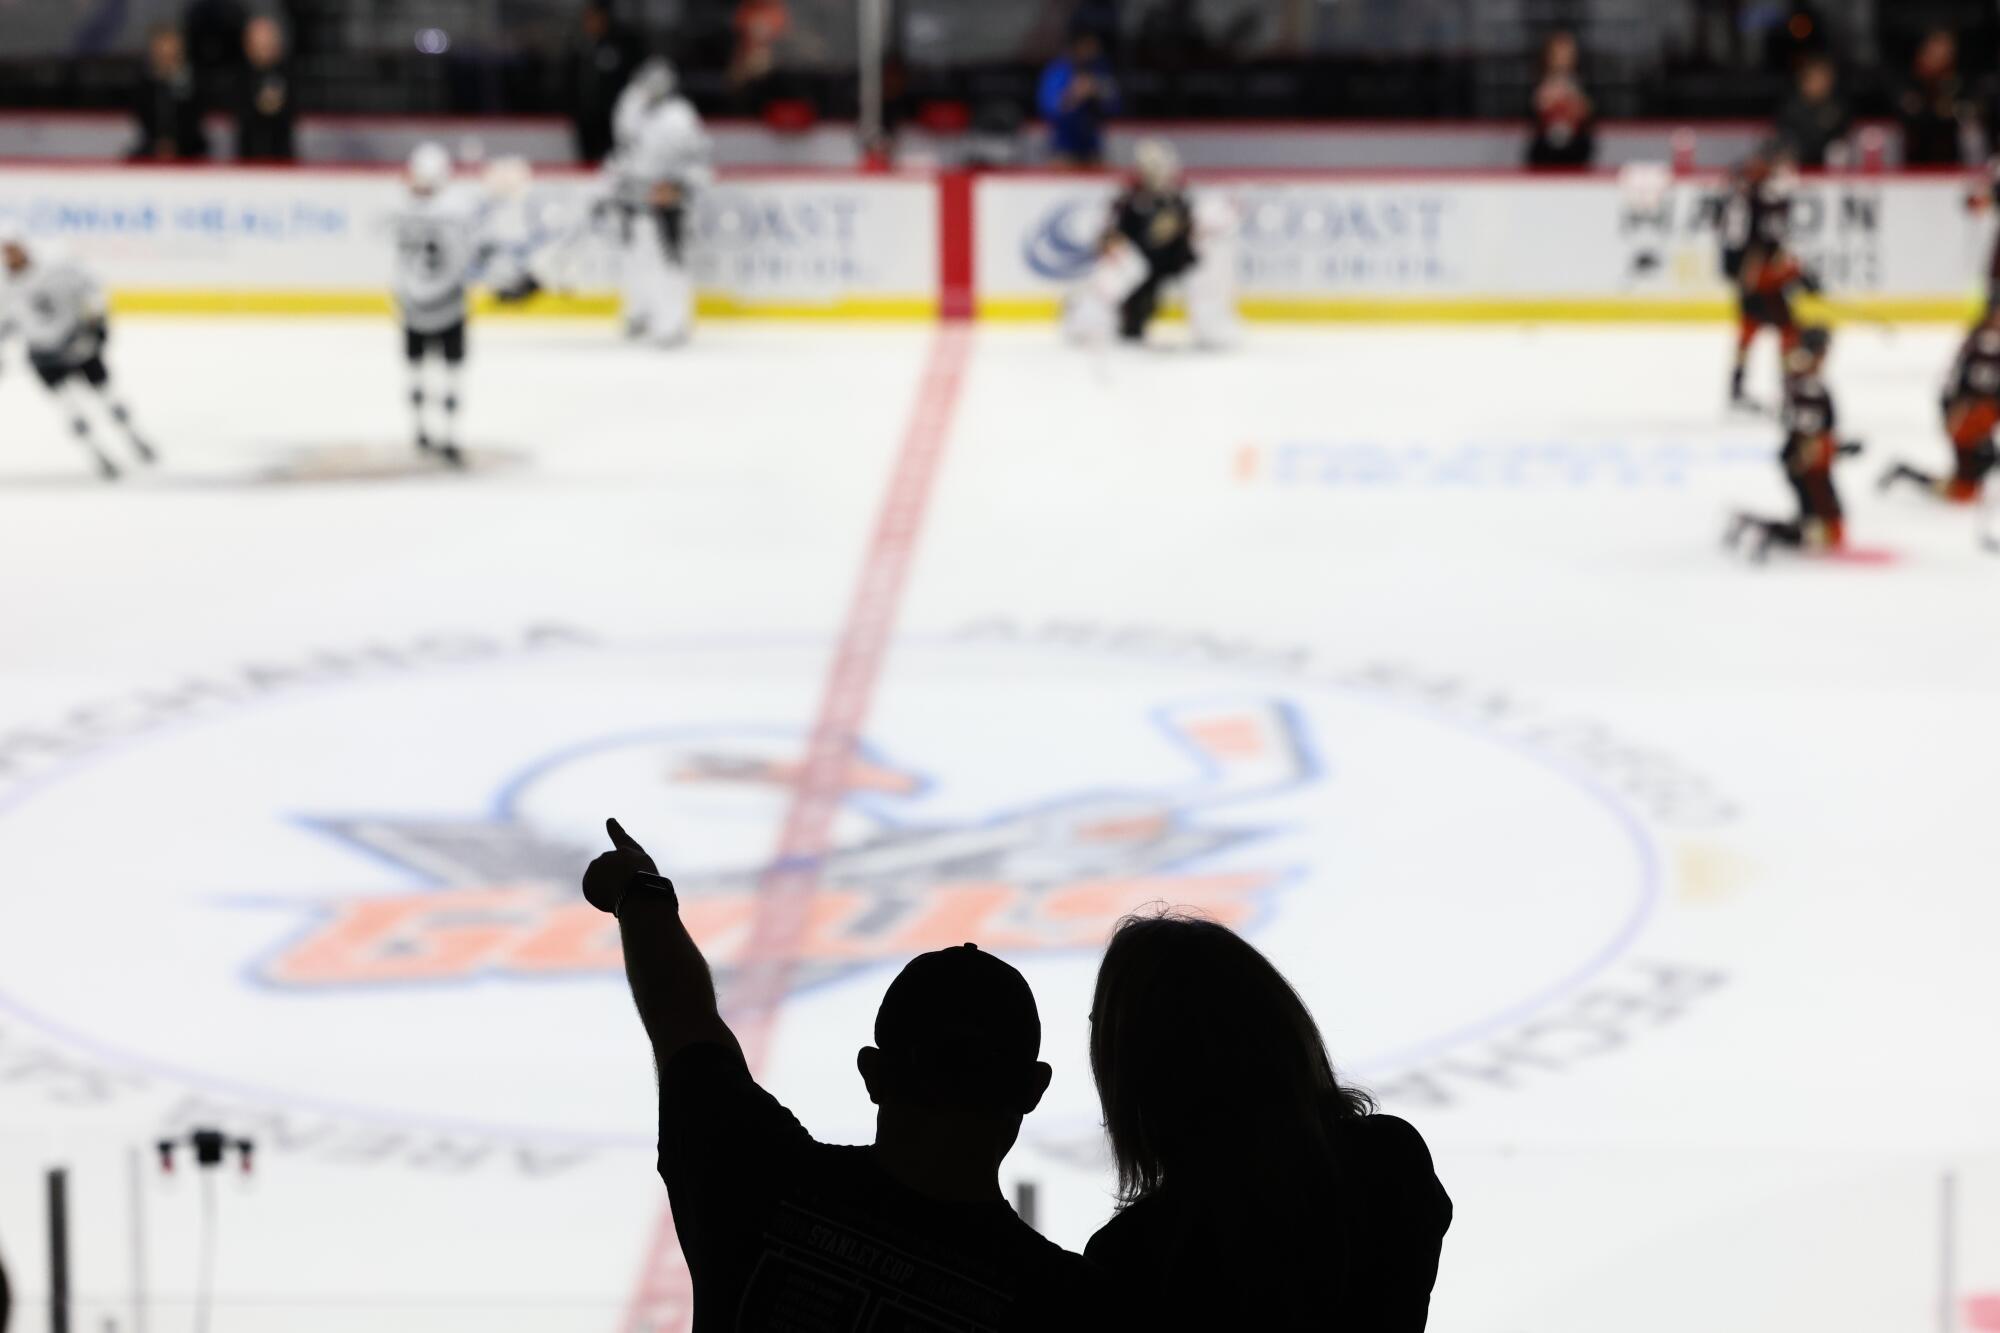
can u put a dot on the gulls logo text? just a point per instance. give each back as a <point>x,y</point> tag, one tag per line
<point>497,894</point>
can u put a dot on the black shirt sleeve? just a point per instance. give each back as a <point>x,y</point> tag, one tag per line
<point>1411,1213</point>
<point>725,1144</point>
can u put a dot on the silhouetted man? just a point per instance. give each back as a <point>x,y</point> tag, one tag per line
<point>168,110</point>
<point>782,1232</point>
<point>264,111</point>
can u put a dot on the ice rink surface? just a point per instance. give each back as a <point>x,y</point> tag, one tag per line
<point>1657,890</point>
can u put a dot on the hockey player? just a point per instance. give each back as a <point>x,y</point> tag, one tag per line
<point>1971,407</point>
<point>1758,261</point>
<point>511,242</point>
<point>437,253</point>
<point>58,308</point>
<point>662,159</point>
<point>1154,220</point>
<point>1809,454</point>
<point>1153,235</point>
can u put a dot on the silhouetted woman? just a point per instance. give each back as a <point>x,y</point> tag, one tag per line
<point>1256,1191</point>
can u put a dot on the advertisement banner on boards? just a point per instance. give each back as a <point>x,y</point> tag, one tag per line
<point>804,241</point>
<point>1319,244</point>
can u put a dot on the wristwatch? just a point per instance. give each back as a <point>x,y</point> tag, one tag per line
<point>645,881</point>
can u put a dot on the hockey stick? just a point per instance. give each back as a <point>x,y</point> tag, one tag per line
<point>1842,310</point>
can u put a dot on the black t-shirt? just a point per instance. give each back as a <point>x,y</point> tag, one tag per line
<point>1365,1261</point>
<point>785,1234</point>
<point>264,116</point>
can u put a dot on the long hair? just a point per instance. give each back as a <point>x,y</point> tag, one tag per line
<point>1212,1074</point>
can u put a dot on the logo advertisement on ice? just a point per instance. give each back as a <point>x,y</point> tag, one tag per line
<point>414,888</point>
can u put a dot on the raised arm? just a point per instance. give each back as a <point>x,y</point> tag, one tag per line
<point>669,978</point>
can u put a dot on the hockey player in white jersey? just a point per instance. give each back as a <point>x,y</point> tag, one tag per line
<point>58,308</point>
<point>437,256</point>
<point>662,158</point>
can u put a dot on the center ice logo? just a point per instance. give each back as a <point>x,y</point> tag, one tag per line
<point>499,896</point>
<point>334,897</point>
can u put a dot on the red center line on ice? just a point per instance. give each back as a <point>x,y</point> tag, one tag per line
<point>663,1302</point>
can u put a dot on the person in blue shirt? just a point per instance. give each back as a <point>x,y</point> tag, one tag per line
<point>1077,96</point>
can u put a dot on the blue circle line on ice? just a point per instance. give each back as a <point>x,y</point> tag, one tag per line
<point>1646,900</point>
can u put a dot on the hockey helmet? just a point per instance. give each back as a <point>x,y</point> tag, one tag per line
<point>1815,339</point>
<point>655,78</point>
<point>430,166</point>
<point>1157,164</point>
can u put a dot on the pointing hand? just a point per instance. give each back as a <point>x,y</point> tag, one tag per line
<point>611,876</point>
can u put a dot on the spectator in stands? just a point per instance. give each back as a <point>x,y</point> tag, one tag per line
<point>1565,120</point>
<point>759,26</point>
<point>1935,107</point>
<point>600,62</point>
<point>264,104</point>
<point>1815,123</point>
<point>1256,1190</point>
<point>168,111</point>
<point>1077,95</point>
<point>782,1231</point>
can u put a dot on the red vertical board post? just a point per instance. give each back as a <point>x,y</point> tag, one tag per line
<point>955,245</point>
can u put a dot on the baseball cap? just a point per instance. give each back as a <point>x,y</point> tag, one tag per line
<point>960,1029</point>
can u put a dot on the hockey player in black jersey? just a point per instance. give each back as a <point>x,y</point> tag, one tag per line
<point>1758,261</point>
<point>1811,448</point>
<point>1154,217</point>
<point>1971,406</point>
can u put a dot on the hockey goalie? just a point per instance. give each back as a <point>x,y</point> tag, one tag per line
<point>1157,238</point>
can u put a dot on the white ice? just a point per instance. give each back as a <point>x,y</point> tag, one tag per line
<point>1657,890</point>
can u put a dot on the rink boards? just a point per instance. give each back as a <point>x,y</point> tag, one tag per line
<point>909,245</point>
